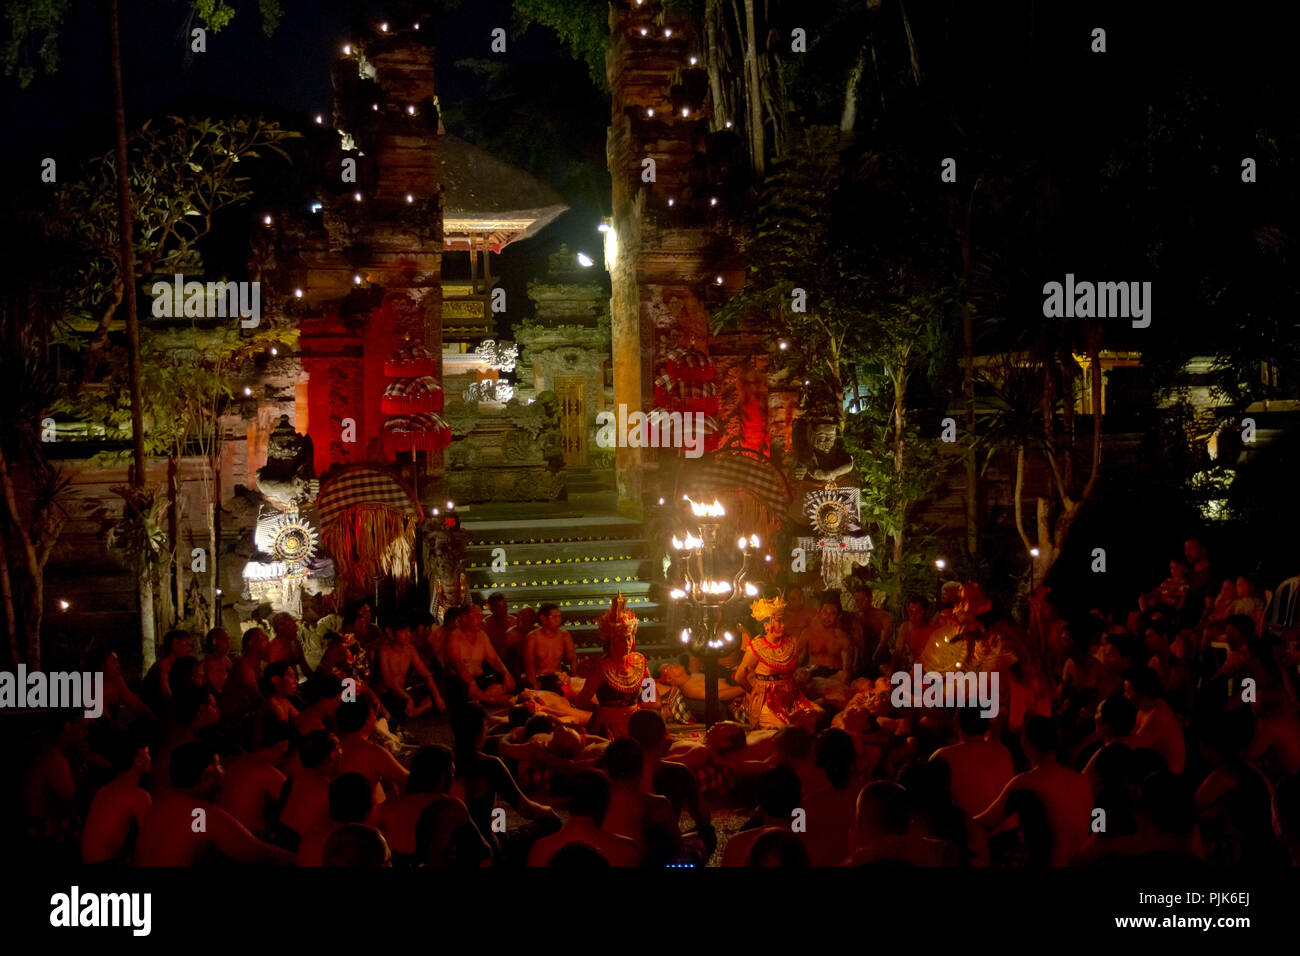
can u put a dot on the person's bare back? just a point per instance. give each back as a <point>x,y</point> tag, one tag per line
<point>618,850</point>
<point>250,787</point>
<point>174,834</point>
<point>118,810</point>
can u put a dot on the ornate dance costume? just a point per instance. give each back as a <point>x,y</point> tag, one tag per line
<point>774,699</point>
<point>618,694</point>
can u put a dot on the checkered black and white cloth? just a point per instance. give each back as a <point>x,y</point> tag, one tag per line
<point>362,485</point>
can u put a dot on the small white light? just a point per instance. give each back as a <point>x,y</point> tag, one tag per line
<point>713,200</point>
<point>451,506</point>
<point>383,28</point>
<point>347,49</point>
<point>585,260</point>
<point>661,501</point>
<point>357,196</point>
<point>668,31</point>
<point>767,557</point>
<point>807,382</point>
<point>315,207</point>
<point>375,107</point>
<point>410,198</point>
<point>694,60</point>
<point>247,390</point>
<point>650,111</point>
<point>783,345</point>
<point>671,201</point>
<point>644,31</point>
<point>750,590</point>
<point>274,350</point>
<point>64,605</point>
<point>436,511</point>
<point>1034,551</point>
<point>410,110</point>
<point>266,220</point>
<point>753,541</point>
<point>218,590</point>
<point>741,544</point>
<point>297,293</point>
<point>686,634</point>
<point>356,280</point>
<point>417,26</point>
<point>940,563</point>
<point>319,119</point>
<point>727,636</point>
<point>718,280</point>
<point>728,124</point>
<point>686,111</point>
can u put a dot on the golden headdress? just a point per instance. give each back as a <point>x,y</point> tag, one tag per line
<point>618,617</point>
<point>762,609</point>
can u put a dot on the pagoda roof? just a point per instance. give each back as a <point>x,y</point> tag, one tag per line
<point>488,200</point>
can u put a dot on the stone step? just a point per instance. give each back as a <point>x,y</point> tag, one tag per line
<point>560,573</point>
<point>536,553</point>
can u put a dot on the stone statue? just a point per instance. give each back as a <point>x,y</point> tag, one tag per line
<point>823,457</point>
<point>287,480</point>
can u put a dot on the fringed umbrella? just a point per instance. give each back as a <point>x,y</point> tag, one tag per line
<point>760,491</point>
<point>424,431</point>
<point>368,522</point>
<point>689,365</point>
<point>409,396</point>
<point>411,361</point>
<point>684,395</point>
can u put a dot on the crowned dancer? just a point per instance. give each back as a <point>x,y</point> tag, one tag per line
<point>616,682</point>
<point>768,671</point>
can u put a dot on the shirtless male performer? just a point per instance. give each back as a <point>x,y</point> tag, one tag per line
<point>546,648</point>
<point>286,646</point>
<point>396,660</point>
<point>119,808</point>
<point>798,614</point>
<point>828,647</point>
<point>468,648</point>
<point>168,836</point>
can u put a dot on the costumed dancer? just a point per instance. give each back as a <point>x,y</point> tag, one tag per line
<point>768,671</point>
<point>616,681</point>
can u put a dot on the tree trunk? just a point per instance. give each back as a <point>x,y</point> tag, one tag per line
<point>754,97</point>
<point>214,561</point>
<point>177,575</point>
<point>7,590</point>
<point>713,60</point>
<point>849,116</point>
<point>127,266</point>
<point>148,632</point>
<point>35,570</point>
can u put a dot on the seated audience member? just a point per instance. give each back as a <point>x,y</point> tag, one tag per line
<point>358,753</point>
<point>357,846</point>
<point>1065,794</point>
<point>396,662</point>
<point>118,808</point>
<point>778,848</point>
<point>482,779</point>
<point>1157,727</point>
<point>305,798</point>
<point>169,835</point>
<point>980,767</point>
<point>1166,827</point>
<point>831,800</point>
<point>431,776</point>
<point>253,783</point>
<point>350,801</point>
<point>635,812</point>
<point>884,830</point>
<point>589,798</point>
<point>779,795</point>
<point>216,659</point>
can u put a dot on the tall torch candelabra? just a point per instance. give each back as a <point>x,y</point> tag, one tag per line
<point>704,561</point>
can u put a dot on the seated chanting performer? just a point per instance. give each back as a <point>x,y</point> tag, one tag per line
<point>615,683</point>
<point>768,670</point>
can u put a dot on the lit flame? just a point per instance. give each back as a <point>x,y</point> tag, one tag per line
<point>677,543</point>
<point>714,510</point>
<point>750,590</point>
<point>677,594</point>
<point>693,543</point>
<point>727,637</point>
<point>686,634</point>
<point>753,541</point>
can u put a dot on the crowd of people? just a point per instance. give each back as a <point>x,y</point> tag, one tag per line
<point>1165,731</point>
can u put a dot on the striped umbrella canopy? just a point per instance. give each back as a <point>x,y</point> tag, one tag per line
<point>409,396</point>
<point>423,431</point>
<point>686,395</point>
<point>411,361</point>
<point>689,365</point>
